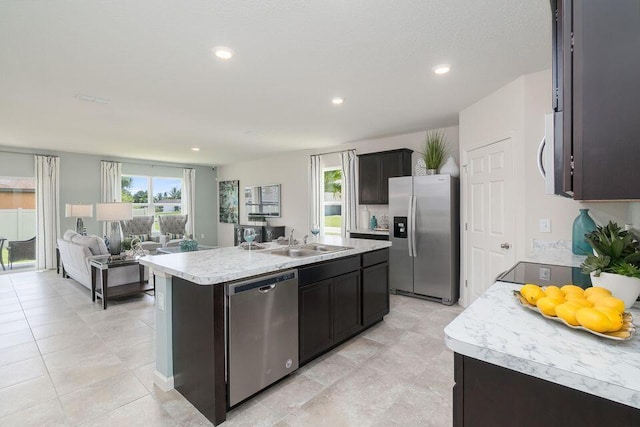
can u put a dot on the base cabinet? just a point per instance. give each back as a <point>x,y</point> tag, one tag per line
<point>375,293</point>
<point>489,395</point>
<point>329,313</point>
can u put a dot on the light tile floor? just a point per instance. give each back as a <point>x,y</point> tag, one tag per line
<point>65,361</point>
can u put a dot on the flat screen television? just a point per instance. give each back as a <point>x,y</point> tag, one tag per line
<point>262,201</point>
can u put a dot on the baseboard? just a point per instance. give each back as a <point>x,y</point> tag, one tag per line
<point>163,382</point>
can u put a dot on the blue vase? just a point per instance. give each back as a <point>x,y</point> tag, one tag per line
<point>583,224</point>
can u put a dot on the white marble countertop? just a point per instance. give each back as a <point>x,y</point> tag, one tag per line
<point>232,263</point>
<point>370,231</point>
<point>498,330</point>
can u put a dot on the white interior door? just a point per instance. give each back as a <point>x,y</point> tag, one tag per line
<point>489,216</point>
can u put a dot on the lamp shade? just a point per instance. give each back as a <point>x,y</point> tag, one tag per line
<point>114,211</point>
<point>78,211</point>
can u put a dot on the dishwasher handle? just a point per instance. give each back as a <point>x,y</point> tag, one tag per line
<point>262,284</point>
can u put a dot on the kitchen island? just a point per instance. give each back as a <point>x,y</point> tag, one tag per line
<point>514,367</point>
<point>340,294</point>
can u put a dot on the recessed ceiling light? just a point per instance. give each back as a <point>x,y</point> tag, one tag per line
<point>195,149</point>
<point>442,69</point>
<point>337,100</point>
<point>223,52</point>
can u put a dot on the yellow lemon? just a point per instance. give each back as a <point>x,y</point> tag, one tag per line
<point>547,305</point>
<point>613,302</point>
<point>594,298</point>
<point>614,316</point>
<point>567,312</point>
<point>572,289</point>
<point>596,290</point>
<point>593,319</point>
<point>579,299</point>
<point>532,293</point>
<point>554,292</point>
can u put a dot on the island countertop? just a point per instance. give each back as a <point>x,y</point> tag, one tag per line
<point>232,263</point>
<point>497,329</point>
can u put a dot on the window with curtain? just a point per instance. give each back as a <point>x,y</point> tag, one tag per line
<point>153,195</point>
<point>332,201</point>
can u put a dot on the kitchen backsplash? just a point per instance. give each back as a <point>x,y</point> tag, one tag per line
<point>380,211</point>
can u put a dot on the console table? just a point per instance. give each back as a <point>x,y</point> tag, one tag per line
<point>104,264</point>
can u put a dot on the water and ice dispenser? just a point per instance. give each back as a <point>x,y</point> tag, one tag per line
<point>400,227</point>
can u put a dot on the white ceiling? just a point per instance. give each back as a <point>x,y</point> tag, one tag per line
<point>152,59</point>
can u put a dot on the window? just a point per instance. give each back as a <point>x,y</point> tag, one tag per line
<point>17,215</point>
<point>166,199</point>
<point>332,201</point>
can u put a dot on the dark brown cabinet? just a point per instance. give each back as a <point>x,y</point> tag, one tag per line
<point>329,306</point>
<point>596,98</point>
<point>374,171</point>
<point>489,395</point>
<point>375,286</point>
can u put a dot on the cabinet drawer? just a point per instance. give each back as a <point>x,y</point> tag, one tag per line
<point>327,270</point>
<point>375,257</point>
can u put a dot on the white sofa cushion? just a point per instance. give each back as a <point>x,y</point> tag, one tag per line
<point>69,235</point>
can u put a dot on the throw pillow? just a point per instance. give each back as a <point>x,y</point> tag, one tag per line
<point>68,235</point>
<point>90,242</point>
<point>141,237</point>
<point>174,236</point>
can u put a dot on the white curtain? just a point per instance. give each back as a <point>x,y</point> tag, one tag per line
<point>110,185</point>
<point>47,210</point>
<point>189,199</point>
<point>349,191</point>
<point>316,191</point>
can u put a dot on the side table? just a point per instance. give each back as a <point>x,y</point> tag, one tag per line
<point>103,264</point>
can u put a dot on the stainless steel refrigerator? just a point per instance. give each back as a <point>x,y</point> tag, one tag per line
<point>425,252</point>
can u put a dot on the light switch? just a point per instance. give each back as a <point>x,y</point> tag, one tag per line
<point>545,225</point>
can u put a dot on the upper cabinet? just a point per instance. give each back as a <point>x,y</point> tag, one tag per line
<point>596,77</point>
<point>375,169</point>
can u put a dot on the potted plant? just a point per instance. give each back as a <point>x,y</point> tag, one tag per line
<point>435,151</point>
<point>615,264</point>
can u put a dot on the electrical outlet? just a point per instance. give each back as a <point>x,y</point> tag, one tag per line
<point>202,236</point>
<point>545,274</point>
<point>544,226</point>
<point>160,299</point>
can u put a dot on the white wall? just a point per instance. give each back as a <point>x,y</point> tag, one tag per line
<point>291,170</point>
<point>517,110</point>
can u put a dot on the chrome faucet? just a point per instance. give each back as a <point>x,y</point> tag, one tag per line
<point>291,239</point>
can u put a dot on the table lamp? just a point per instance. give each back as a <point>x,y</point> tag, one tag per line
<point>78,212</point>
<point>114,213</point>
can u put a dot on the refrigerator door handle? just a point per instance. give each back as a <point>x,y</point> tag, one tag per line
<point>414,202</point>
<point>410,226</point>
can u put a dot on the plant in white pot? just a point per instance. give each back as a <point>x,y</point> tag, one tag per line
<point>435,151</point>
<point>615,264</point>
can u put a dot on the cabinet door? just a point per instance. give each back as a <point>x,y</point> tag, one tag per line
<point>315,313</point>
<point>391,166</point>
<point>369,179</point>
<point>346,306</point>
<point>375,293</point>
<point>606,99</point>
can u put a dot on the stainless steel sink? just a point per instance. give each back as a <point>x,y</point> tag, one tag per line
<point>295,252</point>
<point>325,248</point>
<point>310,249</point>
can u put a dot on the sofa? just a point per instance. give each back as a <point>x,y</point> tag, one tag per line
<point>140,227</point>
<point>77,250</point>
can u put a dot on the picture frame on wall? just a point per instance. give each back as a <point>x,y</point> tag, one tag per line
<point>228,192</point>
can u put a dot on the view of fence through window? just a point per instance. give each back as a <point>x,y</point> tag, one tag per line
<point>17,216</point>
<point>332,201</point>
<point>166,196</point>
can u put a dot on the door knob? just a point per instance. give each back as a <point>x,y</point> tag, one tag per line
<point>505,245</point>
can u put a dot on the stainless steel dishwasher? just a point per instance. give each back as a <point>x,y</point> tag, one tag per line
<point>262,341</point>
